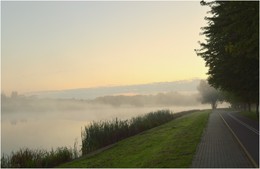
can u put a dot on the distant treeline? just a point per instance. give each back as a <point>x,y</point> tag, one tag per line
<point>20,103</point>
<point>160,99</point>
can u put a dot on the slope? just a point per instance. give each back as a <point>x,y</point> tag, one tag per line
<point>169,145</point>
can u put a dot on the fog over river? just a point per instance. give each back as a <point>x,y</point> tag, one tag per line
<point>61,128</point>
<point>34,121</point>
<point>50,123</point>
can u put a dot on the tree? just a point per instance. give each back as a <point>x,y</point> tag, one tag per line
<point>14,94</point>
<point>209,94</point>
<point>231,50</point>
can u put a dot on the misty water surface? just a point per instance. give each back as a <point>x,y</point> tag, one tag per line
<point>59,124</point>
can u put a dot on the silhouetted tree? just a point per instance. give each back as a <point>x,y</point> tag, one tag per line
<point>14,94</point>
<point>209,95</point>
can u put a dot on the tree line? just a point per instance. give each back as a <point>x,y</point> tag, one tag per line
<point>231,50</point>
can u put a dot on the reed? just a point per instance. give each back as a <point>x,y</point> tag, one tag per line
<point>103,133</point>
<point>28,158</point>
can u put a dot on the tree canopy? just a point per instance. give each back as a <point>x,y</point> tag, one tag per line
<point>231,48</point>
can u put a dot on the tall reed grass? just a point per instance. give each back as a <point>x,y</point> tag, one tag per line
<point>28,158</point>
<point>103,133</point>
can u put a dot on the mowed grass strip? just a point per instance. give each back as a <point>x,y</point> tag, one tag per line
<point>170,145</point>
<point>251,115</point>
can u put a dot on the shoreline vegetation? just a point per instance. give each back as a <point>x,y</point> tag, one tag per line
<point>100,134</point>
<point>172,144</point>
<point>95,136</point>
<point>37,158</point>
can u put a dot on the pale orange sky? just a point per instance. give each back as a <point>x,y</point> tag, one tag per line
<point>65,45</point>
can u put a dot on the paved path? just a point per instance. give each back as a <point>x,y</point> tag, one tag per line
<point>246,131</point>
<point>218,148</point>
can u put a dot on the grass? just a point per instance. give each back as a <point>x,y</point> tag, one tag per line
<point>251,115</point>
<point>170,145</point>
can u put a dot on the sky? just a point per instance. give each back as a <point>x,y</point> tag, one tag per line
<point>49,45</point>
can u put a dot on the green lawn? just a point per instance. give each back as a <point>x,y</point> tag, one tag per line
<point>169,145</point>
<point>251,115</point>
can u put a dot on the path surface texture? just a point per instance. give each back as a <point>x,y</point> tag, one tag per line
<point>218,148</point>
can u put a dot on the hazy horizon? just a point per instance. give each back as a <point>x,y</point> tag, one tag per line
<point>181,86</point>
<point>66,45</point>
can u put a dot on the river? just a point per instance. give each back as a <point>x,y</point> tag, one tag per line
<point>52,129</point>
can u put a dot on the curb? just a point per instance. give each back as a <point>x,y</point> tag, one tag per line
<point>239,142</point>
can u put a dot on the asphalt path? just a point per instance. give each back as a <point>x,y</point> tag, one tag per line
<point>246,130</point>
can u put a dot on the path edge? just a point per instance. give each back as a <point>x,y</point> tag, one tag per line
<point>239,142</point>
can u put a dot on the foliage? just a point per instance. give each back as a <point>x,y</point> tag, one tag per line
<point>37,158</point>
<point>103,133</point>
<point>235,102</point>
<point>231,50</point>
<point>171,145</point>
<point>209,94</point>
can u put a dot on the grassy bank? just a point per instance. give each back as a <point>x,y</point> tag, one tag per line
<point>104,133</point>
<point>170,145</point>
<point>251,115</point>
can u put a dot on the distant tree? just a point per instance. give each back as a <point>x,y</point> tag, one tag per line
<point>209,95</point>
<point>14,94</point>
<point>231,50</point>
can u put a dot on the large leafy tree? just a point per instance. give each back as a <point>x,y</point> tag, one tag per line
<point>231,48</point>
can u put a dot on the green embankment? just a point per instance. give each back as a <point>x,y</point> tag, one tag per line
<point>250,115</point>
<point>169,145</point>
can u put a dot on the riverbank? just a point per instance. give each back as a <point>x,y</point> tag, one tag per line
<point>170,145</point>
<point>179,125</point>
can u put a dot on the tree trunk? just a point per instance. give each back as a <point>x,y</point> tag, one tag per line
<point>213,105</point>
